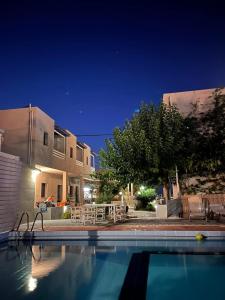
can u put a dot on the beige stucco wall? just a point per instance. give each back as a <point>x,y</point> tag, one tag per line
<point>42,154</point>
<point>52,181</point>
<point>15,123</point>
<point>27,191</point>
<point>185,100</point>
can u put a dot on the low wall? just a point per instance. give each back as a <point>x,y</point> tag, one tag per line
<point>174,207</point>
<point>211,198</point>
<point>10,174</point>
<point>52,213</point>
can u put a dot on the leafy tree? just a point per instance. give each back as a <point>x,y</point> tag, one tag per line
<point>147,148</point>
<point>109,187</point>
<point>204,147</point>
<point>146,195</point>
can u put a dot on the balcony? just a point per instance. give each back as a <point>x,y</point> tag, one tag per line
<point>59,145</point>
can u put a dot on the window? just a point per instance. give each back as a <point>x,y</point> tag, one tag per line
<point>77,200</point>
<point>45,139</point>
<point>71,191</point>
<point>59,142</point>
<point>71,152</point>
<point>87,160</point>
<point>80,154</point>
<point>92,161</point>
<point>43,190</point>
<point>59,193</point>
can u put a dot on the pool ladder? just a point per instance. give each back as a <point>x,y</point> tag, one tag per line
<point>25,213</point>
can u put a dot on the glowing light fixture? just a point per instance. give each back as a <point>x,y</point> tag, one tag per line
<point>34,174</point>
<point>32,284</point>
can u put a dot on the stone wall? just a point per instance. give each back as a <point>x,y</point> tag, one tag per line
<point>211,184</point>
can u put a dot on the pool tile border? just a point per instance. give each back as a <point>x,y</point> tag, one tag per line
<point>114,235</point>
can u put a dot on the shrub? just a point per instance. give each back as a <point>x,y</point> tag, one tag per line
<point>67,215</point>
<point>150,207</point>
<point>146,195</point>
<point>104,198</point>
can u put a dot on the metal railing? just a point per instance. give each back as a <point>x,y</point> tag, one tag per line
<point>20,221</point>
<point>25,213</point>
<point>42,221</point>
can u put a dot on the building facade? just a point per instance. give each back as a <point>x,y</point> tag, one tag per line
<point>200,101</point>
<point>186,101</point>
<point>55,164</point>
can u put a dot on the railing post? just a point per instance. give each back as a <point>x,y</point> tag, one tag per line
<point>24,213</point>
<point>42,221</point>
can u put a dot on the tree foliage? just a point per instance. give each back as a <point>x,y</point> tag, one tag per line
<point>156,139</point>
<point>147,148</point>
<point>109,187</point>
<point>204,147</point>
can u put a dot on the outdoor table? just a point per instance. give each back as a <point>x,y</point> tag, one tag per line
<point>106,205</point>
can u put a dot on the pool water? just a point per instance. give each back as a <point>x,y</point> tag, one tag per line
<point>108,270</point>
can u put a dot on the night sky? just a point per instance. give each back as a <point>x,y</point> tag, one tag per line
<point>89,64</point>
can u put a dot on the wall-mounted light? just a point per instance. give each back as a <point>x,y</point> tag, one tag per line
<point>34,174</point>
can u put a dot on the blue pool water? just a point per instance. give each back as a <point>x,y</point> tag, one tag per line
<point>98,270</point>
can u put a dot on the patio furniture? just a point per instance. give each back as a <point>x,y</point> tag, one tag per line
<point>100,214</point>
<point>120,213</point>
<point>197,208</point>
<point>89,214</point>
<point>216,206</point>
<point>76,214</point>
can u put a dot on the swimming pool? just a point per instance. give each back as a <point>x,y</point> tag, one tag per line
<point>108,270</point>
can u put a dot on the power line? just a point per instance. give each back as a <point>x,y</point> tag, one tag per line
<point>99,134</point>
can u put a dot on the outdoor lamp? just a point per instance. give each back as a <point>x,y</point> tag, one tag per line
<point>34,174</point>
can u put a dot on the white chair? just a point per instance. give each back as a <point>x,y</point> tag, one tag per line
<point>100,214</point>
<point>120,213</point>
<point>89,213</point>
<point>76,214</point>
<point>197,208</point>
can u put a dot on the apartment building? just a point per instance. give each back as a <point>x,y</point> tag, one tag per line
<point>55,163</point>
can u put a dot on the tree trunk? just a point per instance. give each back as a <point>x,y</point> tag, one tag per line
<point>166,190</point>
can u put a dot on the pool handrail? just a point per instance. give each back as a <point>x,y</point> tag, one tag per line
<point>42,221</point>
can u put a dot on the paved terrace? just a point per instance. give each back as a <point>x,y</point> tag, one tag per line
<point>133,224</point>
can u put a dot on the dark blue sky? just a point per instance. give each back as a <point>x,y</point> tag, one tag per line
<point>89,64</point>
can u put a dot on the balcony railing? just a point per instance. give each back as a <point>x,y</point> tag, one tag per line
<point>59,154</point>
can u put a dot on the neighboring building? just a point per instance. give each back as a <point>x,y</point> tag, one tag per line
<point>200,100</point>
<point>186,100</point>
<point>55,164</point>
